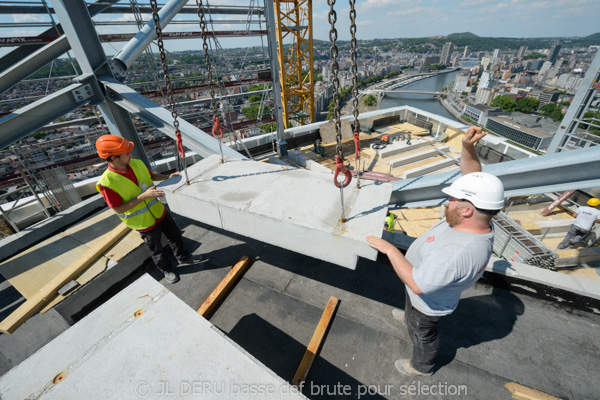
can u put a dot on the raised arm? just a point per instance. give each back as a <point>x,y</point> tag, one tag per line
<point>469,161</point>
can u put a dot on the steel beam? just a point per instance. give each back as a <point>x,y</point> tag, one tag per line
<point>196,139</point>
<point>575,169</point>
<point>17,55</point>
<point>88,50</point>
<point>125,9</point>
<point>136,46</point>
<point>28,119</point>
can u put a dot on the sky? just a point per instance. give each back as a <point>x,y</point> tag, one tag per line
<point>392,19</point>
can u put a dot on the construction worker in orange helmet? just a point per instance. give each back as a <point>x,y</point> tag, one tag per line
<point>127,186</point>
<point>447,259</point>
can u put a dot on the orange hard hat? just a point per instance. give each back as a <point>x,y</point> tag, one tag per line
<point>111,145</point>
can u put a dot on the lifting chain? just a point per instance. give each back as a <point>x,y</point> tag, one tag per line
<point>217,131</point>
<point>163,59</point>
<point>354,57</point>
<point>335,68</point>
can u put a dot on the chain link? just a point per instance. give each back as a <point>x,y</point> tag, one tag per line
<point>335,68</point>
<point>163,60</point>
<point>209,69</point>
<point>165,66</point>
<point>354,65</point>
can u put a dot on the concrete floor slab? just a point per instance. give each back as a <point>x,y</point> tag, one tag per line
<point>136,352</point>
<point>295,209</point>
<point>402,147</point>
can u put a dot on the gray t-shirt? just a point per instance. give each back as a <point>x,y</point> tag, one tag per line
<point>446,262</point>
<point>586,217</point>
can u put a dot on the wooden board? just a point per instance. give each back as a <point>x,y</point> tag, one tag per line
<point>316,341</point>
<point>221,291</point>
<point>33,268</point>
<point>48,291</point>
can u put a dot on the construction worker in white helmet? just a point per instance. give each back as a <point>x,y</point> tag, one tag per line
<point>584,220</point>
<point>447,259</point>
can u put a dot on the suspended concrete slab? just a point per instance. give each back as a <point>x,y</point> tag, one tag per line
<point>143,343</point>
<point>296,209</point>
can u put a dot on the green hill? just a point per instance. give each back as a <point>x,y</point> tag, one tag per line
<point>593,36</point>
<point>462,35</point>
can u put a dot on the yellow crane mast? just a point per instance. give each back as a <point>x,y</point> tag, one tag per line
<point>295,54</point>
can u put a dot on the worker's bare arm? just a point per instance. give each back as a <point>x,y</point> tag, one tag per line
<point>151,193</point>
<point>401,265</point>
<point>469,160</point>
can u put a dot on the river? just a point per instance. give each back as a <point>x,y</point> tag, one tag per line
<point>423,101</point>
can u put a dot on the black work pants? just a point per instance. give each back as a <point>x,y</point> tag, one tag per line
<point>152,240</point>
<point>422,330</point>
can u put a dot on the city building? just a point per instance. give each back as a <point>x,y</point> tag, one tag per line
<point>548,97</point>
<point>479,113</point>
<point>467,52</point>
<point>484,95</point>
<point>553,52</point>
<point>496,53</point>
<point>522,129</point>
<point>446,53</point>
<point>461,83</point>
<point>522,51</point>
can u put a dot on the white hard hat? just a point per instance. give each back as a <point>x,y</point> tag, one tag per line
<point>484,190</point>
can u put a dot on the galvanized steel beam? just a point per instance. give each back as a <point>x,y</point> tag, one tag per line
<point>575,169</point>
<point>28,119</point>
<point>84,41</point>
<point>196,139</point>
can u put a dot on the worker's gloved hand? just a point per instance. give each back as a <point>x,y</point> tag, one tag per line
<point>472,136</point>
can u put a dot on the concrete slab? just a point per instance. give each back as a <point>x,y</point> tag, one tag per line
<point>402,147</point>
<point>425,169</point>
<point>295,209</point>
<point>128,342</point>
<point>416,157</point>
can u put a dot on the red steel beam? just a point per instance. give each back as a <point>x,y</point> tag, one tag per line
<point>123,37</point>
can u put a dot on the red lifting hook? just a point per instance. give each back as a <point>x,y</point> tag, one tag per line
<point>356,145</point>
<point>340,167</point>
<point>180,148</point>
<point>216,129</point>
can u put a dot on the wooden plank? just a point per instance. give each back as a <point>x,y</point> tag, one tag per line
<point>316,341</point>
<point>48,291</point>
<point>520,392</point>
<point>224,287</point>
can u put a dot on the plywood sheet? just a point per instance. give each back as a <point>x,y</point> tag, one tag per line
<point>33,268</point>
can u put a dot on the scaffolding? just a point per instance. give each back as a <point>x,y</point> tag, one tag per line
<point>514,243</point>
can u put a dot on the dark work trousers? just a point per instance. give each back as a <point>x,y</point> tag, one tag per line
<point>152,239</point>
<point>422,330</point>
<point>575,235</point>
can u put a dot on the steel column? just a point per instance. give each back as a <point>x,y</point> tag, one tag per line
<point>270,16</point>
<point>88,50</point>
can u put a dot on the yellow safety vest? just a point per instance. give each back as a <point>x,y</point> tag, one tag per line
<point>390,223</point>
<point>148,211</point>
